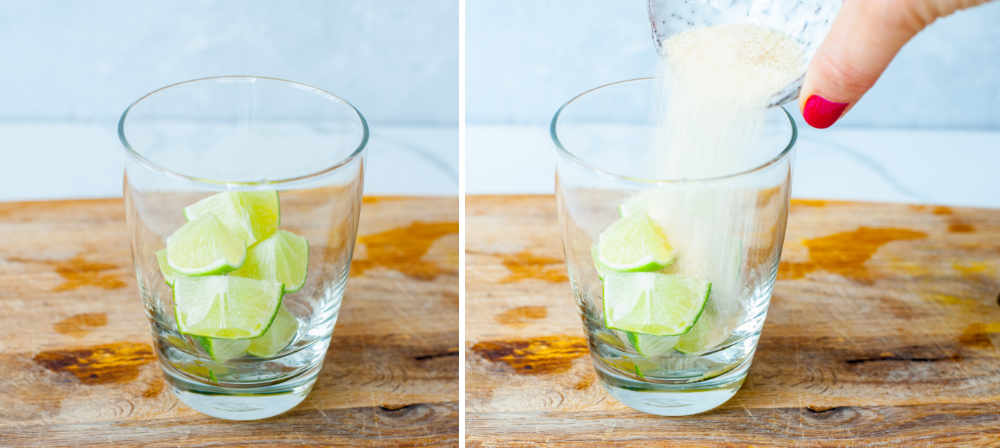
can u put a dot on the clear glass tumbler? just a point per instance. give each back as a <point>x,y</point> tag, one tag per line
<point>727,230</point>
<point>281,159</point>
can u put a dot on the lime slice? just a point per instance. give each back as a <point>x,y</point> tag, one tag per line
<point>223,350</point>
<point>652,303</point>
<point>225,307</point>
<point>169,274</point>
<point>649,345</point>
<point>204,246</point>
<point>633,365</point>
<point>709,332</point>
<point>634,243</point>
<point>645,367</point>
<point>602,270</point>
<point>282,257</point>
<point>251,215</point>
<point>277,337</point>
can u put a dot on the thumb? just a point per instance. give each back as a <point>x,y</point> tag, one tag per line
<point>863,39</point>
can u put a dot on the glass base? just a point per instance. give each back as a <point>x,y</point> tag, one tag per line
<point>241,402</point>
<point>673,399</point>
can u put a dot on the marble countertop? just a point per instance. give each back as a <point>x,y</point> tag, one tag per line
<point>892,165</point>
<point>52,161</point>
<point>57,161</point>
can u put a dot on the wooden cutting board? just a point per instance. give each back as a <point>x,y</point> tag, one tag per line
<point>77,367</point>
<point>884,329</point>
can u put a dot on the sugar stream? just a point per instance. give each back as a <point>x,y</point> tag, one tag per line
<point>714,86</point>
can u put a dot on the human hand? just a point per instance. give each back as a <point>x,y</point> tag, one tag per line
<point>863,39</point>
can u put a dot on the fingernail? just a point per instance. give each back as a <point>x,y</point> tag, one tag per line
<point>822,113</point>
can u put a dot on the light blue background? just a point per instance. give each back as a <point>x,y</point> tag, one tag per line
<point>528,57</point>
<point>69,68</point>
<point>397,60</point>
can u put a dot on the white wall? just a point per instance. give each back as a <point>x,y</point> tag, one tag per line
<point>87,60</point>
<point>69,68</point>
<point>527,57</point>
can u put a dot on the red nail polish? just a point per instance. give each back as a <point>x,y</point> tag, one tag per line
<point>822,113</point>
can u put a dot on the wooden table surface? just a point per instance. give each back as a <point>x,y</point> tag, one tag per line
<point>77,367</point>
<point>884,330</point>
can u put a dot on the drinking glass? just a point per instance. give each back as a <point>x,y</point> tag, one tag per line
<point>194,139</point>
<point>726,229</point>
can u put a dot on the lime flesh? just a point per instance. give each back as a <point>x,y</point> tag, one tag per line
<point>649,345</point>
<point>250,215</point>
<point>223,350</point>
<point>169,274</point>
<point>282,257</point>
<point>225,307</point>
<point>710,331</point>
<point>277,337</point>
<point>652,303</point>
<point>634,244</point>
<point>204,246</point>
<point>601,269</point>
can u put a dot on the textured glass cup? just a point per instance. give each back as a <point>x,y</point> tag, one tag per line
<point>730,227</point>
<point>194,139</point>
<point>805,21</point>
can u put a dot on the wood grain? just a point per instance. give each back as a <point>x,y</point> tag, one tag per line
<point>884,330</point>
<point>77,367</point>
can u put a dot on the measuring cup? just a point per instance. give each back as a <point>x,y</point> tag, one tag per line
<point>805,21</point>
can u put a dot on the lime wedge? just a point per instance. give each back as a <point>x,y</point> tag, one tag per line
<point>634,243</point>
<point>645,367</point>
<point>169,274</point>
<point>707,333</point>
<point>602,270</point>
<point>652,303</point>
<point>204,246</point>
<point>225,307</point>
<point>251,215</point>
<point>649,345</point>
<point>223,350</point>
<point>277,337</point>
<point>634,365</point>
<point>282,257</point>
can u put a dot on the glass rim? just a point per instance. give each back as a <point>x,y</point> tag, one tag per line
<point>149,164</point>
<point>563,151</point>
